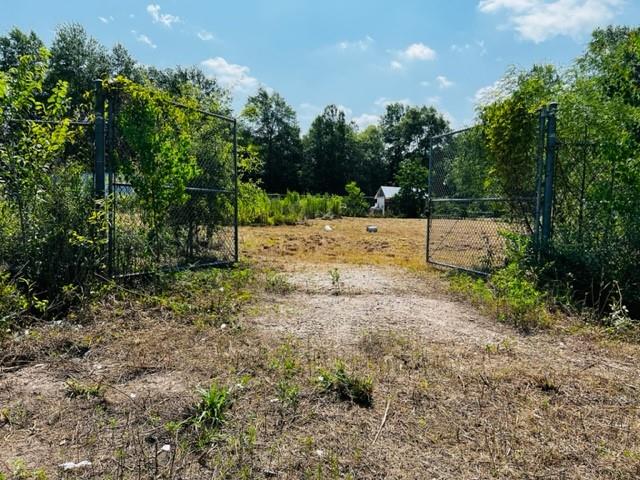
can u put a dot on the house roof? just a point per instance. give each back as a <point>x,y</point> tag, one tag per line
<point>387,191</point>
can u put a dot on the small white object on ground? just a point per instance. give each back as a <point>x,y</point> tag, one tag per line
<point>327,228</point>
<point>75,466</point>
<point>165,448</point>
<point>319,453</point>
<point>372,228</point>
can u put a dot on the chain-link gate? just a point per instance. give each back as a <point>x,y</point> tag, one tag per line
<point>195,227</point>
<point>470,212</point>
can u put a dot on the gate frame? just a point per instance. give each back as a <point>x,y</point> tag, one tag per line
<point>544,190</point>
<point>102,152</point>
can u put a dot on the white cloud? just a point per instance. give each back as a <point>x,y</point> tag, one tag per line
<point>419,51</point>
<point>230,75</point>
<point>414,52</point>
<point>142,38</point>
<point>366,119</point>
<point>164,18</point>
<point>460,48</point>
<point>205,36</point>
<point>384,101</point>
<point>106,19</point>
<point>444,82</point>
<point>490,6</point>
<point>425,83</point>
<point>486,95</point>
<point>483,48</point>
<point>433,100</point>
<point>362,45</point>
<point>539,20</point>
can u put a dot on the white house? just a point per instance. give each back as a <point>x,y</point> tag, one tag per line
<point>383,196</point>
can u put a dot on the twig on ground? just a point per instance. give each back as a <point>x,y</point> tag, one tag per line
<point>384,420</point>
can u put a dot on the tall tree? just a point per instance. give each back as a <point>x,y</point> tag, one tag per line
<point>78,59</point>
<point>17,44</point>
<point>372,169</point>
<point>272,126</point>
<point>192,81</point>
<point>331,151</point>
<point>123,64</point>
<point>406,132</point>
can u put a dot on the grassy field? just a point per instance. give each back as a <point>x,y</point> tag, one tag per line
<point>329,354</point>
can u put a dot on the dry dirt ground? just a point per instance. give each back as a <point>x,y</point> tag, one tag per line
<point>455,393</point>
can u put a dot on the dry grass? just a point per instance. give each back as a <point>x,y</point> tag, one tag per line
<point>546,406</point>
<point>398,242</point>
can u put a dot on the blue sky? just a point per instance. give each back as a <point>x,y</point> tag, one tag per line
<point>356,54</point>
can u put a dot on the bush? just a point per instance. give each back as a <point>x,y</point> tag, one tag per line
<point>12,303</point>
<point>355,204</point>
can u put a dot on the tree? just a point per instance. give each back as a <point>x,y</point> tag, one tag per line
<point>192,82</point>
<point>270,124</point>
<point>17,44</point>
<point>406,132</point>
<point>355,204</point>
<point>331,152</point>
<point>121,63</point>
<point>412,178</point>
<point>372,169</point>
<point>78,59</point>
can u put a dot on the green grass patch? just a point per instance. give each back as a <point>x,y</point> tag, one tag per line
<point>347,386</point>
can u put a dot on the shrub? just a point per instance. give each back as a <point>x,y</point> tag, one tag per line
<point>355,204</point>
<point>511,292</point>
<point>12,303</point>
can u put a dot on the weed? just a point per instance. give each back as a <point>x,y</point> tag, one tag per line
<point>547,384</point>
<point>495,348</point>
<point>77,389</point>
<point>21,472</point>
<point>347,386</point>
<point>334,273</point>
<point>284,361</point>
<point>277,283</point>
<point>210,411</point>
<point>288,394</point>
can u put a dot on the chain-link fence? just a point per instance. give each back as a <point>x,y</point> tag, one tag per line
<point>468,210</point>
<point>154,225</point>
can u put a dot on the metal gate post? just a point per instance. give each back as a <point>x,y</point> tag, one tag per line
<point>235,174</point>
<point>542,117</point>
<point>429,185</point>
<point>549,173</point>
<point>99,164</point>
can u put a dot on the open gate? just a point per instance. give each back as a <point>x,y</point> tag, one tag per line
<point>470,212</point>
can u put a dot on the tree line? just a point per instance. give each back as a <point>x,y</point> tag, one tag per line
<point>331,154</point>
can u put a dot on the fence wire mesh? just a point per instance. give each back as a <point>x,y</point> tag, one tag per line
<point>469,212</point>
<point>195,228</point>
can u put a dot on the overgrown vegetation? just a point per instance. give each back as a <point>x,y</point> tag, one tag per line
<point>512,293</point>
<point>595,245</point>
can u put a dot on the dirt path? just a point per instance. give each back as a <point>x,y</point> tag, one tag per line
<point>369,298</point>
